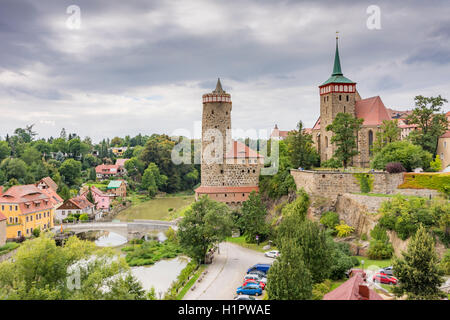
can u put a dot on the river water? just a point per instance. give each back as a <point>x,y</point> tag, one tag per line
<point>161,274</point>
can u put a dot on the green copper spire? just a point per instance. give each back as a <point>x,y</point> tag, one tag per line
<point>337,62</point>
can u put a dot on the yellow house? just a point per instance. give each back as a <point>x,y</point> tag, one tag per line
<point>26,208</point>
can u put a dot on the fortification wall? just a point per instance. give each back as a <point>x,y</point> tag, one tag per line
<point>332,184</point>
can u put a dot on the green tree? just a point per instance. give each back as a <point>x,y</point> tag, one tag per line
<point>205,223</point>
<point>5,150</point>
<point>92,174</point>
<point>14,168</point>
<point>30,155</point>
<point>431,124</point>
<point>71,171</point>
<point>389,132</point>
<point>409,155</point>
<point>64,192</point>
<point>289,278</point>
<point>252,220</point>
<point>345,128</point>
<point>418,271</point>
<point>301,148</point>
<point>436,164</point>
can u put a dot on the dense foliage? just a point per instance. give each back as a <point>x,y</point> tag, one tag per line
<point>301,148</point>
<point>345,128</point>
<point>252,218</point>
<point>409,155</point>
<point>205,224</point>
<point>41,270</point>
<point>418,271</point>
<point>394,167</point>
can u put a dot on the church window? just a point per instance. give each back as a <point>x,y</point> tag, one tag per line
<point>370,141</point>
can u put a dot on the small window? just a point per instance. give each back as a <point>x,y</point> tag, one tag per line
<point>340,97</point>
<point>221,171</point>
<point>212,112</point>
<point>347,98</point>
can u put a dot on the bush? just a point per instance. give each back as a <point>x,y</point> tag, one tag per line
<point>445,262</point>
<point>379,250</point>
<point>84,217</point>
<point>395,167</point>
<point>409,155</point>
<point>344,230</point>
<point>320,289</point>
<point>36,232</point>
<point>436,164</point>
<point>331,163</point>
<point>330,220</point>
<point>365,181</point>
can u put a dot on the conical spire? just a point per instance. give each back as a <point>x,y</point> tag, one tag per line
<point>337,62</point>
<point>218,87</point>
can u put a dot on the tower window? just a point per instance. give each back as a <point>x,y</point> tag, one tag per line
<point>221,171</point>
<point>344,109</point>
<point>340,97</point>
<point>347,97</point>
<point>324,98</point>
<point>212,111</point>
<point>226,112</point>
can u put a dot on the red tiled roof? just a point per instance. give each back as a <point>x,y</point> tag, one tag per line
<point>54,197</point>
<point>446,134</point>
<point>206,189</point>
<point>121,162</point>
<point>106,168</point>
<point>25,196</point>
<point>49,181</point>
<point>240,150</point>
<point>372,110</point>
<point>317,124</point>
<point>350,290</point>
<point>2,217</point>
<point>81,202</point>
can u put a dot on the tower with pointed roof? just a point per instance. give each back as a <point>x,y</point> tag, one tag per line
<point>216,124</point>
<point>229,169</point>
<point>337,94</point>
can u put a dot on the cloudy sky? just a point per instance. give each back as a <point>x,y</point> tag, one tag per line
<point>142,66</point>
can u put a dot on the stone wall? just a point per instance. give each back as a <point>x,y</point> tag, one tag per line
<point>332,184</point>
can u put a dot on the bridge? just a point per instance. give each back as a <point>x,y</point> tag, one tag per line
<point>129,230</point>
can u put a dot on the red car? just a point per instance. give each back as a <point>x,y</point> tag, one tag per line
<point>384,278</point>
<point>261,284</point>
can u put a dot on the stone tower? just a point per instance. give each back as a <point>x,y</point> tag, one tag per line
<point>216,134</point>
<point>337,94</point>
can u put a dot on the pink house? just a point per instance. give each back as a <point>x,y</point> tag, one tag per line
<point>102,200</point>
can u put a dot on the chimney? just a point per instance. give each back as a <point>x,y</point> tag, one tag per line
<point>364,292</point>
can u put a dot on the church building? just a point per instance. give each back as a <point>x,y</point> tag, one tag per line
<point>339,94</point>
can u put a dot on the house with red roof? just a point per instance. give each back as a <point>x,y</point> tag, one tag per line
<point>26,208</point>
<point>76,205</point>
<point>102,199</point>
<point>48,186</point>
<point>108,171</point>
<point>355,288</point>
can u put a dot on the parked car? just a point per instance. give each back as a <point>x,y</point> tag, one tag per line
<point>384,278</point>
<point>388,271</point>
<point>260,283</point>
<point>244,297</point>
<point>272,254</point>
<point>259,273</point>
<point>250,289</point>
<point>264,267</point>
<point>255,277</point>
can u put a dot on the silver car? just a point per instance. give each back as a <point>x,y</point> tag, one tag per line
<point>272,254</point>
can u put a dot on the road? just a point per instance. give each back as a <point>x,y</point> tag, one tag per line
<point>226,273</point>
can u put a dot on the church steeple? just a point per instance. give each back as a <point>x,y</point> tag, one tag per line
<point>337,62</point>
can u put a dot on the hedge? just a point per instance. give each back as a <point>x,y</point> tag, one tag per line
<point>436,181</point>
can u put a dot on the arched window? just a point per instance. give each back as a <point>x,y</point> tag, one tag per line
<point>370,141</point>
<point>336,88</point>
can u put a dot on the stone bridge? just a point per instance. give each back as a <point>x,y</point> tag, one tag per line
<point>130,230</point>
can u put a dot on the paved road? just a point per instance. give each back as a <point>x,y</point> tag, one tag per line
<point>226,273</point>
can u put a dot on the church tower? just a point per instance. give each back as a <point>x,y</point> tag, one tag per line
<point>337,94</point>
<point>216,128</point>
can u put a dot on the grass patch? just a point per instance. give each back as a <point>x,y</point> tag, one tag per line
<point>154,209</point>
<point>150,252</point>
<point>368,262</point>
<point>253,246</point>
<point>8,247</point>
<point>191,282</point>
